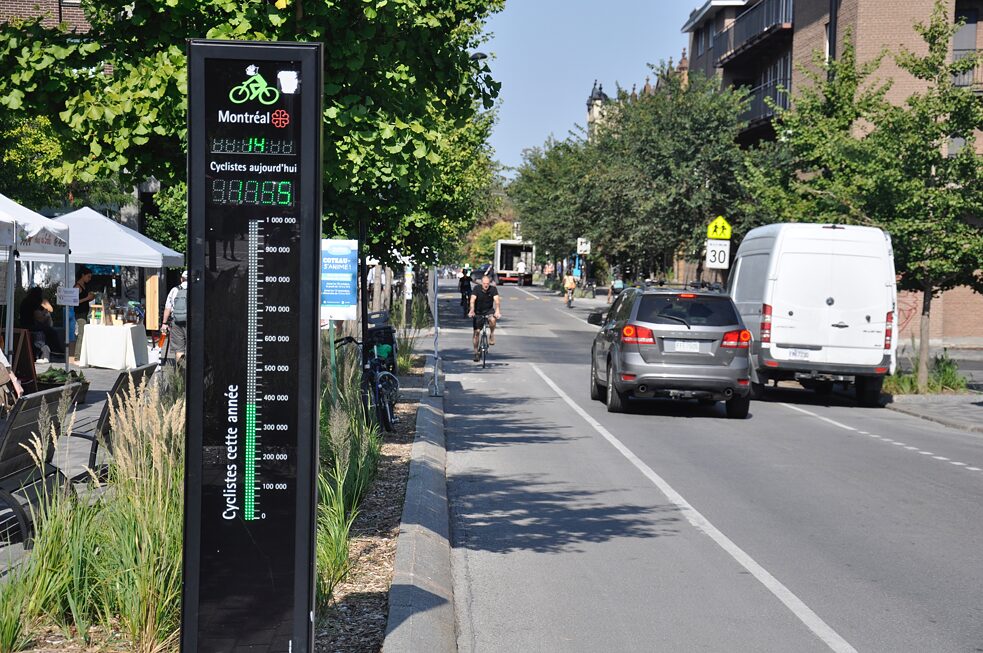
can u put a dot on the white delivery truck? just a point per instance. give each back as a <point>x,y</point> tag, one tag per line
<point>508,254</point>
<point>820,302</point>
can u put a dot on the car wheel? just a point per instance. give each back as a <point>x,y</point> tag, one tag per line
<point>738,407</point>
<point>868,390</point>
<point>596,389</point>
<point>615,399</point>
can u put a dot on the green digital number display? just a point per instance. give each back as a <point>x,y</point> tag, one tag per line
<point>252,192</point>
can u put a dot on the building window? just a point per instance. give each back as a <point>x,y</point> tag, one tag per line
<point>700,44</point>
<point>71,3</point>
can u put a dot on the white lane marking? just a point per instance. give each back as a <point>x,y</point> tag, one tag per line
<point>974,469</point>
<point>825,419</point>
<point>879,437</point>
<point>569,314</point>
<point>804,613</point>
<point>528,293</point>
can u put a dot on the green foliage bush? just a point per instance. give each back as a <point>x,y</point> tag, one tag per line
<point>943,376</point>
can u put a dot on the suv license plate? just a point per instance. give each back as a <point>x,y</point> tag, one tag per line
<point>687,346</point>
<point>798,354</point>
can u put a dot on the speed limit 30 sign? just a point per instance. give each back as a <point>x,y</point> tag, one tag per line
<point>718,254</point>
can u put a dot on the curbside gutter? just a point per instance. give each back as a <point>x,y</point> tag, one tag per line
<point>421,600</point>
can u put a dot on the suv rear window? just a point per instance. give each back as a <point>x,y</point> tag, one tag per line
<point>699,310</point>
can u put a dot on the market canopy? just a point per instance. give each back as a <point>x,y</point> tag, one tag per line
<point>98,240</point>
<point>35,233</point>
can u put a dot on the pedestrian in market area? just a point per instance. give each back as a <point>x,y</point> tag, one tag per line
<point>176,318</point>
<point>82,280</point>
<point>35,316</point>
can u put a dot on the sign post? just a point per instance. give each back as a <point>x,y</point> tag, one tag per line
<point>254,158</point>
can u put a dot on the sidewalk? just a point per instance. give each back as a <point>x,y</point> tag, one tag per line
<point>964,412</point>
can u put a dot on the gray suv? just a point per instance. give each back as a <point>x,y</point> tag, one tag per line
<point>677,344</point>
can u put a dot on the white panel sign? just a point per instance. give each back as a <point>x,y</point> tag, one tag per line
<point>67,296</point>
<point>718,254</point>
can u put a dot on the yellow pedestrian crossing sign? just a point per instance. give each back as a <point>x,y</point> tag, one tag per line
<point>719,229</point>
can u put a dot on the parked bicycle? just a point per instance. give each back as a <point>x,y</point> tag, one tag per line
<point>383,386</point>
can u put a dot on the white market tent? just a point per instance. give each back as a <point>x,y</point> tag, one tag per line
<point>35,234</point>
<point>98,240</point>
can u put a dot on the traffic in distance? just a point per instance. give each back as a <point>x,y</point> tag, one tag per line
<point>810,303</point>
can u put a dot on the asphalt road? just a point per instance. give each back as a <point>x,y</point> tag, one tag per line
<point>814,525</point>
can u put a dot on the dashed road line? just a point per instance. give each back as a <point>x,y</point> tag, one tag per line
<point>804,613</point>
<point>528,293</point>
<point>896,443</point>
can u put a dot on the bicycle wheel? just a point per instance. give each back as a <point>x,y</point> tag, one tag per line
<point>269,95</point>
<point>239,94</point>
<point>483,348</point>
<point>388,392</point>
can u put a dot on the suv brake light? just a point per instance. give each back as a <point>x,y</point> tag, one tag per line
<point>765,323</point>
<point>736,339</point>
<point>633,334</point>
<point>889,330</point>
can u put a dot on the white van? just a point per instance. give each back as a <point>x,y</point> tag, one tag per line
<point>820,302</point>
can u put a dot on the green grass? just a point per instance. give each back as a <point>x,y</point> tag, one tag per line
<point>943,376</point>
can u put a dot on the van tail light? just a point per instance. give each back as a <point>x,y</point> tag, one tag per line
<point>765,323</point>
<point>737,339</point>
<point>632,334</point>
<point>889,331</point>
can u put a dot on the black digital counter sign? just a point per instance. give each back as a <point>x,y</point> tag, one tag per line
<point>254,187</point>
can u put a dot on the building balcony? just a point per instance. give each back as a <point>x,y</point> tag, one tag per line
<point>971,78</point>
<point>767,21</point>
<point>763,99</point>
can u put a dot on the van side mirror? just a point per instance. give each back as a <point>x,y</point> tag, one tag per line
<point>596,319</point>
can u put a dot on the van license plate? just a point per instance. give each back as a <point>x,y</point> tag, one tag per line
<point>798,354</point>
<point>687,346</point>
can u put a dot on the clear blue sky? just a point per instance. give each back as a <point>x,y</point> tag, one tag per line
<point>547,54</point>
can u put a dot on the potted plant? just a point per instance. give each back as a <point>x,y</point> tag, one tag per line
<point>56,377</point>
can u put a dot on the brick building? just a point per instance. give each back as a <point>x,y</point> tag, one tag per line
<point>766,45</point>
<point>54,12</point>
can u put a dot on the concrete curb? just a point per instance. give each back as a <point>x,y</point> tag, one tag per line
<point>421,600</point>
<point>961,425</point>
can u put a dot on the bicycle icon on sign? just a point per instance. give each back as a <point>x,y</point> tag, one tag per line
<point>254,88</point>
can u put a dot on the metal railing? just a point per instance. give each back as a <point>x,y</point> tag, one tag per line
<point>974,77</point>
<point>752,23</point>
<point>759,108</point>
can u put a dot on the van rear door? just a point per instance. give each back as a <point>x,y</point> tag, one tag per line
<point>800,325</point>
<point>857,316</point>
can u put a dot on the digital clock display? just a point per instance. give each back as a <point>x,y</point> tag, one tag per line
<point>252,192</point>
<point>253,145</point>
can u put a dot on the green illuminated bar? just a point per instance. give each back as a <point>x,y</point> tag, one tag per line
<point>249,477</point>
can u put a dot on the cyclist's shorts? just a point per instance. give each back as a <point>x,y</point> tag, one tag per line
<point>479,319</point>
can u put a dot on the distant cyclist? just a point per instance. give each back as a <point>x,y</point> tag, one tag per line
<point>464,285</point>
<point>486,303</point>
<point>569,284</point>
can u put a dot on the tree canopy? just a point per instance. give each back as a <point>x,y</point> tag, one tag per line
<point>405,143</point>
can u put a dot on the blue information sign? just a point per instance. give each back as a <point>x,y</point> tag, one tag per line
<point>339,280</point>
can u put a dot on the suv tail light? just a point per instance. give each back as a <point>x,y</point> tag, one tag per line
<point>737,339</point>
<point>633,334</point>
<point>889,330</point>
<point>765,323</point>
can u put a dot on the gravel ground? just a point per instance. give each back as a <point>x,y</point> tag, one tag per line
<point>356,620</point>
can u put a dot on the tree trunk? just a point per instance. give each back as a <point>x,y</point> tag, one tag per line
<point>387,296</point>
<point>924,336</point>
<point>377,288</point>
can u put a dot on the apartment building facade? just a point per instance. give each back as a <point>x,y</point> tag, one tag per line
<point>54,12</point>
<point>767,47</point>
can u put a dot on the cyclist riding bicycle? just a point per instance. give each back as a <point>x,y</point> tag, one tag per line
<point>486,304</point>
<point>569,284</point>
<point>464,285</point>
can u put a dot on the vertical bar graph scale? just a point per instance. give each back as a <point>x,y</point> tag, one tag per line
<point>252,362</point>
